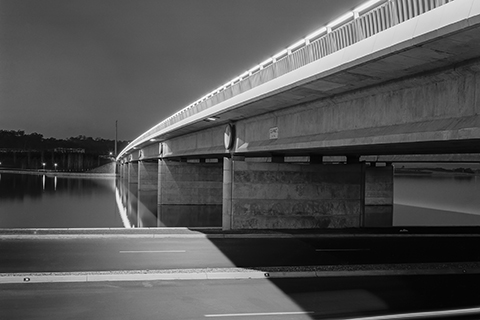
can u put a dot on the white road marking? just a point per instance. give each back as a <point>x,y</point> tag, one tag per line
<point>257,314</point>
<point>155,251</point>
<point>343,249</point>
<point>424,315</point>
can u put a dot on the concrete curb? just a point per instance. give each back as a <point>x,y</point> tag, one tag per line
<point>218,233</point>
<point>243,273</point>
<point>227,236</point>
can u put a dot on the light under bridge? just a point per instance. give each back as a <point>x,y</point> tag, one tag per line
<point>282,145</point>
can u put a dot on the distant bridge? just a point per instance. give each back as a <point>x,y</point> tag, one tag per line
<point>391,77</point>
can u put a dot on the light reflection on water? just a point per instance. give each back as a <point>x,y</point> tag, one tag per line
<point>42,201</point>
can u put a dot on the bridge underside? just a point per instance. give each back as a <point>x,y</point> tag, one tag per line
<point>435,57</point>
<point>419,95</point>
<point>432,113</point>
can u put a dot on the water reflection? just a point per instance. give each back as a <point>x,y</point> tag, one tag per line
<point>139,208</point>
<point>43,201</point>
<point>122,209</point>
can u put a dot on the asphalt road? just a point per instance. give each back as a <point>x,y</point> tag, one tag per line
<point>70,255</point>
<point>327,298</point>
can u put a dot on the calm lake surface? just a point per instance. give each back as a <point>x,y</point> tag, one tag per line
<point>40,201</point>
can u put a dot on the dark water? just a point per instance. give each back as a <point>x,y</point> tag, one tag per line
<point>39,201</point>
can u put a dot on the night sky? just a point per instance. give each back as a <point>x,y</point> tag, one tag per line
<point>73,67</point>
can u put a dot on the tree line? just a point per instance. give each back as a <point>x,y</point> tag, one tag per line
<point>11,139</point>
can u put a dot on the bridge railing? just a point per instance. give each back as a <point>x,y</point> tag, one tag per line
<point>363,22</point>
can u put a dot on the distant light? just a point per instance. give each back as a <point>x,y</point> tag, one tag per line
<point>296,44</point>
<point>266,62</point>
<point>243,75</point>
<point>254,69</point>
<point>281,53</point>
<point>366,5</point>
<point>234,80</point>
<point>153,140</point>
<point>316,33</point>
<point>210,119</point>
<point>340,20</point>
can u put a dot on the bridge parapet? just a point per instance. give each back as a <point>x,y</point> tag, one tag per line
<point>361,23</point>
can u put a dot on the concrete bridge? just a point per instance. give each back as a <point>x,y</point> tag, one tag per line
<point>284,144</point>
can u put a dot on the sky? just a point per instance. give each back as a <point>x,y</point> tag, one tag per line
<point>75,67</point>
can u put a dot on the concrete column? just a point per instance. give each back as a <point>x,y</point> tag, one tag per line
<point>133,174</point>
<point>121,169</point>
<point>147,193</point>
<point>227,193</point>
<point>378,196</point>
<point>190,194</point>
<point>132,193</point>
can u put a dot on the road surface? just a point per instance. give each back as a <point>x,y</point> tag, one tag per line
<point>327,298</point>
<point>106,254</point>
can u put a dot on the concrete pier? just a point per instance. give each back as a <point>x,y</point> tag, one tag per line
<point>298,196</point>
<point>147,193</point>
<point>190,194</point>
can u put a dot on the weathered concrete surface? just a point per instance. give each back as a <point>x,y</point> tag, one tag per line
<point>296,196</point>
<point>208,141</point>
<point>147,193</point>
<point>150,152</point>
<point>190,194</point>
<point>279,195</point>
<point>440,109</point>
<point>227,193</point>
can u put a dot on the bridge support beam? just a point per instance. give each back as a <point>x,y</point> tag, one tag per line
<point>147,193</point>
<point>190,194</point>
<point>294,196</point>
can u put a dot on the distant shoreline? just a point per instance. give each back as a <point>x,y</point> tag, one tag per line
<point>398,171</point>
<point>60,173</point>
<point>436,171</point>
